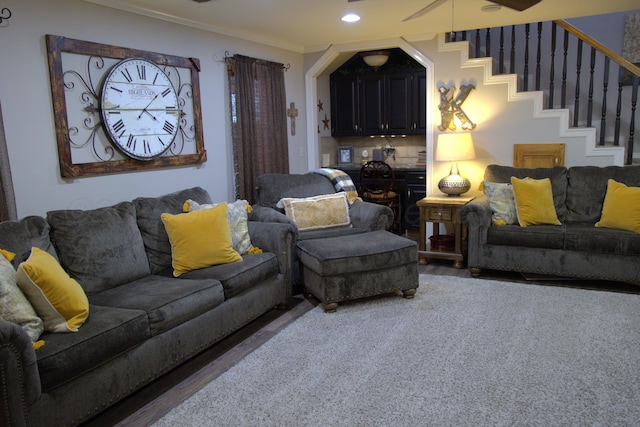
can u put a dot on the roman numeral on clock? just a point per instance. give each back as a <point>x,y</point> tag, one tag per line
<point>168,127</point>
<point>147,147</point>
<point>118,126</point>
<point>126,75</point>
<point>166,92</point>
<point>131,143</point>
<point>142,72</point>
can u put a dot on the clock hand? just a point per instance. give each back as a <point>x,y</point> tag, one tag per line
<point>144,110</point>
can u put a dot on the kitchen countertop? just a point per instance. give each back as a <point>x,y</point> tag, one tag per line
<point>400,167</point>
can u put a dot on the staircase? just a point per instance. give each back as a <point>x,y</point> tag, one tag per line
<point>593,86</point>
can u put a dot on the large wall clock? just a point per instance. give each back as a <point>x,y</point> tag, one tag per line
<point>118,109</point>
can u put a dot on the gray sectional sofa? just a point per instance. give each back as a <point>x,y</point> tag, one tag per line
<point>576,248</point>
<point>142,321</point>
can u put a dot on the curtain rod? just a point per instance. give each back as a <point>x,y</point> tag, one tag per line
<point>228,58</point>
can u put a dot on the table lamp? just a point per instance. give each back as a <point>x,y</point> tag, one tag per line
<point>454,147</point>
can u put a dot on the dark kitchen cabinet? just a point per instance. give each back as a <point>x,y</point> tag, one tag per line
<point>379,103</point>
<point>345,119</point>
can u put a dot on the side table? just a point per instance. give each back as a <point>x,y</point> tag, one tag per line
<point>442,210</point>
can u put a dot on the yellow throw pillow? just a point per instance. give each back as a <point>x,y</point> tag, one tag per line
<point>317,212</point>
<point>534,201</point>
<point>621,208</point>
<point>58,299</point>
<point>199,239</point>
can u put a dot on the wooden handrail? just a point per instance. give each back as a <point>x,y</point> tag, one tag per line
<point>599,46</point>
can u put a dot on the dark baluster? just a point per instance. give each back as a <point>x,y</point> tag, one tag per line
<point>554,26</point>
<point>488,42</point>
<point>464,36</point>
<point>501,55</point>
<point>605,86</point>
<point>526,58</point>
<point>563,97</point>
<point>538,56</point>
<point>634,100</point>
<point>616,135</point>
<point>512,66</point>
<point>478,43</point>
<point>592,67</point>
<point>576,104</point>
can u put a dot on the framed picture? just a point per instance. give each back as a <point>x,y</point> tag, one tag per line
<point>345,155</point>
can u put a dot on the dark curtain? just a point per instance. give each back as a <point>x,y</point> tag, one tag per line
<point>258,121</point>
<point>7,198</point>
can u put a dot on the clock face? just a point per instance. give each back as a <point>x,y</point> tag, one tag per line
<point>139,108</point>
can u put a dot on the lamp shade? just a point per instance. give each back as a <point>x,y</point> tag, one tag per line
<point>453,147</point>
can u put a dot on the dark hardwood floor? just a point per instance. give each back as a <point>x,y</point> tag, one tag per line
<point>153,401</point>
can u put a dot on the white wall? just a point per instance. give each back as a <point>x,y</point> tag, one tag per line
<point>27,109</point>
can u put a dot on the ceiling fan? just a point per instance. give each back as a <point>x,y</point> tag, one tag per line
<point>518,5</point>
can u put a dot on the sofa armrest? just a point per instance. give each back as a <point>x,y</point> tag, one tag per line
<point>371,216</point>
<point>476,215</point>
<point>19,378</point>
<point>277,238</point>
<point>266,214</point>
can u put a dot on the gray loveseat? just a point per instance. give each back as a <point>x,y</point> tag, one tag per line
<point>270,188</point>
<point>574,249</point>
<point>142,321</point>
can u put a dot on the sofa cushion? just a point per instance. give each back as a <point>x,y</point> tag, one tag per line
<point>199,239</point>
<point>502,202</point>
<point>317,212</point>
<point>534,201</point>
<point>154,235</point>
<point>540,236</point>
<point>58,299</point>
<point>14,305</point>
<point>101,248</point>
<point>270,188</point>
<point>557,175</point>
<point>237,215</point>
<point>239,276</point>
<point>588,185</point>
<point>20,236</point>
<point>167,301</point>
<point>107,333</point>
<point>621,208</point>
<point>584,237</point>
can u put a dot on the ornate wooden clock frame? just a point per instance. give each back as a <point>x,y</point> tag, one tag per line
<point>83,147</point>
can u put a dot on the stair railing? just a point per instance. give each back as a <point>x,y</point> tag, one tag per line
<point>584,110</point>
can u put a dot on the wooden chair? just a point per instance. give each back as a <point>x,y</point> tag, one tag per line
<point>377,181</point>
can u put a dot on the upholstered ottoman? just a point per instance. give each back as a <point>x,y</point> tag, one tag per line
<point>343,268</point>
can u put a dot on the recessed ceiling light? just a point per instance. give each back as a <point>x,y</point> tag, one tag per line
<point>351,17</point>
<point>491,8</point>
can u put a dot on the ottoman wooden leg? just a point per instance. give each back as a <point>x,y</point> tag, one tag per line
<point>409,293</point>
<point>330,307</point>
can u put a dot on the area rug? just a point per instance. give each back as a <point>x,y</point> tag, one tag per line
<point>464,352</point>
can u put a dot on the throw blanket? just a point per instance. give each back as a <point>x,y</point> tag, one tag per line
<point>341,182</point>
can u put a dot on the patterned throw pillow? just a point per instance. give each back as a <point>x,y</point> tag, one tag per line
<point>502,203</point>
<point>14,305</point>
<point>317,212</point>
<point>237,217</point>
